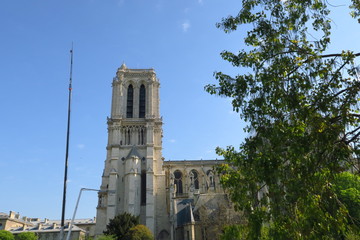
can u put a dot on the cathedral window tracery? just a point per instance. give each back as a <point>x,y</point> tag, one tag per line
<point>133,135</point>
<point>142,101</point>
<point>130,101</point>
<point>178,182</point>
<point>194,178</point>
<point>210,175</point>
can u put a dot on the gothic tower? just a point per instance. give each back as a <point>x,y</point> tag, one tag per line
<point>133,180</point>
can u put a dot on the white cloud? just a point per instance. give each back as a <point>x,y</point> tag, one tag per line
<point>172,140</point>
<point>185,25</point>
<point>81,146</point>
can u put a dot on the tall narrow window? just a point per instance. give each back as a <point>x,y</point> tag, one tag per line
<point>127,137</point>
<point>194,178</point>
<point>211,182</point>
<point>178,182</point>
<point>130,101</point>
<point>142,102</point>
<point>143,188</point>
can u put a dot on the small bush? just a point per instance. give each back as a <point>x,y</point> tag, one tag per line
<point>6,235</point>
<point>26,236</point>
<point>139,232</point>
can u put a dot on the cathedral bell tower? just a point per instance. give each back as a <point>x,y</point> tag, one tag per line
<point>133,179</point>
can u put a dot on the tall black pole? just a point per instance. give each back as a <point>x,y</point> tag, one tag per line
<point>67,150</point>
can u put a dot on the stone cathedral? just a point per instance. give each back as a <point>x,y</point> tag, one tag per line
<point>174,199</point>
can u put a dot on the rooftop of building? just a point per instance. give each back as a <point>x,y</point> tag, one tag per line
<point>193,162</point>
<point>29,221</point>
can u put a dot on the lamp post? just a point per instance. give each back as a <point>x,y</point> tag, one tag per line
<point>76,206</point>
<point>66,150</point>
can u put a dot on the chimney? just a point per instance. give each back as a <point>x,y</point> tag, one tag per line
<point>54,225</point>
<point>46,220</point>
<point>12,214</point>
<point>39,226</point>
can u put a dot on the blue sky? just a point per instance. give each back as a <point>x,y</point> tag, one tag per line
<point>177,38</point>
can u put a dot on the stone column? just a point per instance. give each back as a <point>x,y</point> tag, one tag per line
<point>150,205</point>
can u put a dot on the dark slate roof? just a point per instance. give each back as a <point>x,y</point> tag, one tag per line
<point>186,201</point>
<point>185,216</point>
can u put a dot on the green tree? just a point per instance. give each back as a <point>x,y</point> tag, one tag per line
<point>300,103</point>
<point>120,225</point>
<point>233,232</point>
<point>26,236</point>
<point>139,232</point>
<point>347,188</point>
<point>6,235</point>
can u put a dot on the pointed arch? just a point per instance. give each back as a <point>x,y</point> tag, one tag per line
<point>211,178</point>
<point>194,178</point>
<point>130,101</point>
<point>178,182</point>
<point>142,101</point>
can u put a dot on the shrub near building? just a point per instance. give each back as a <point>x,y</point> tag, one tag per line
<point>6,235</point>
<point>26,236</point>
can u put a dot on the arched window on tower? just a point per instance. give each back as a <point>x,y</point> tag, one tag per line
<point>142,102</point>
<point>130,101</point>
<point>178,182</point>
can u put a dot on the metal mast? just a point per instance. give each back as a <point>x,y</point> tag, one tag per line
<point>67,150</point>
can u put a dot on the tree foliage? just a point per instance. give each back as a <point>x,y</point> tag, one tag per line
<point>26,236</point>
<point>347,188</point>
<point>233,232</point>
<point>6,235</point>
<point>300,105</point>
<point>139,232</point>
<point>120,225</point>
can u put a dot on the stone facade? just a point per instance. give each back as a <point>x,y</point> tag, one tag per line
<point>135,178</point>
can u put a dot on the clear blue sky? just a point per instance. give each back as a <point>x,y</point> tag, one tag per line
<point>177,38</point>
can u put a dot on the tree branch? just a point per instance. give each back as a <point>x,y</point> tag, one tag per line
<point>336,55</point>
